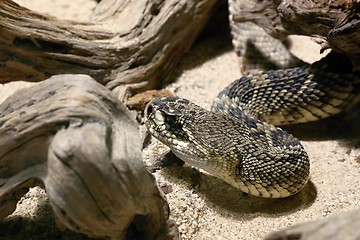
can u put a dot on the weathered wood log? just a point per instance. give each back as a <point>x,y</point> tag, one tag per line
<point>342,226</point>
<point>72,135</point>
<point>128,46</point>
<point>333,24</point>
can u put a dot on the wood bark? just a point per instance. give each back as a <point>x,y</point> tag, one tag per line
<point>333,24</point>
<point>70,134</point>
<point>128,45</point>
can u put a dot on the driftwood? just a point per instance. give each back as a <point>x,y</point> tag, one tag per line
<point>62,134</point>
<point>342,226</point>
<point>70,134</point>
<point>132,46</point>
<point>129,46</point>
<point>333,24</point>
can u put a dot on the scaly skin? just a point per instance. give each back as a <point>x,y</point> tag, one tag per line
<point>251,155</point>
<point>234,142</point>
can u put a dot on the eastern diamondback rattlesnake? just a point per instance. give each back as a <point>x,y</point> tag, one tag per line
<point>235,140</point>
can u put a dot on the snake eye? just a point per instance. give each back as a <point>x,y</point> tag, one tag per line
<point>149,110</point>
<point>170,120</point>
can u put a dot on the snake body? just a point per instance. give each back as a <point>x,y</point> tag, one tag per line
<point>234,143</point>
<point>246,153</point>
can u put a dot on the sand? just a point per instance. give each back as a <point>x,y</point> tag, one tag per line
<point>204,207</point>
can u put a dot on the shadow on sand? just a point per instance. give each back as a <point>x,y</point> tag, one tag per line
<point>221,197</point>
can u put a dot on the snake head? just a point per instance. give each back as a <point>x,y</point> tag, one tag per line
<point>177,123</point>
<point>164,118</point>
<point>191,132</point>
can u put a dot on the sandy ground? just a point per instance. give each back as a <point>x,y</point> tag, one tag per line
<point>203,206</point>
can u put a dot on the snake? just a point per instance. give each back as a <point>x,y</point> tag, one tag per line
<point>236,140</point>
<point>239,139</point>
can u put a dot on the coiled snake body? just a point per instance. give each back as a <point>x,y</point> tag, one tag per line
<point>234,143</point>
